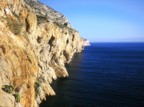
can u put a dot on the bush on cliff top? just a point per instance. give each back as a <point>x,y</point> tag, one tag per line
<point>41,19</point>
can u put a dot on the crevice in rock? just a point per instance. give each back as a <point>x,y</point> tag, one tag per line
<point>3,49</point>
<point>51,41</point>
<point>39,39</point>
<point>73,37</point>
<point>41,51</point>
<point>40,66</point>
<point>27,25</point>
<point>67,41</point>
<point>61,53</point>
<point>66,55</point>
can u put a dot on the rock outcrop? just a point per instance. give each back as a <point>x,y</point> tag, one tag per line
<point>48,12</point>
<point>35,45</point>
<point>86,42</point>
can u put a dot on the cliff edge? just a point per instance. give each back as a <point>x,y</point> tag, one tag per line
<point>35,44</point>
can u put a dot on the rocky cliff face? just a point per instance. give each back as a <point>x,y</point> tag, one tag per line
<point>35,45</point>
<point>45,11</point>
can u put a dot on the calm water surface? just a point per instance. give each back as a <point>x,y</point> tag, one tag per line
<point>104,75</point>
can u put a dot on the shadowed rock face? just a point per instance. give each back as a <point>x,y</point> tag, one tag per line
<point>33,51</point>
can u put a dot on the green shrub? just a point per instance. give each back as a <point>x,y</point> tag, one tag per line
<point>59,24</point>
<point>15,26</point>
<point>17,97</point>
<point>8,88</point>
<point>41,19</point>
<point>37,87</point>
<point>65,24</point>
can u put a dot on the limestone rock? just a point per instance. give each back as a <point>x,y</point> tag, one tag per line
<point>48,12</point>
<point>6,100</point>
<point>35,45</point>
<point>32,22</point>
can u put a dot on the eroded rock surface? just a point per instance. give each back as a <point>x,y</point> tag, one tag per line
<point>48,12</point>
<point>33,51</point>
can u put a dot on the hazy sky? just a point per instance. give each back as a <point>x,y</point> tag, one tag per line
<point>104,20</point>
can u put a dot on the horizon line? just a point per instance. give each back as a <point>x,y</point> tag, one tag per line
<point>117,42</point>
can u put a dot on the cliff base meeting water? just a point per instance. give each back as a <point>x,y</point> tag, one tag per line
<point>103,75</point>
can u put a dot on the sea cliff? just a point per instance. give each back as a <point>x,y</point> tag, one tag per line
<point>35,44</point>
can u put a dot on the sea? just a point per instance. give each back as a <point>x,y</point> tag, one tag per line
<point>103,75</point>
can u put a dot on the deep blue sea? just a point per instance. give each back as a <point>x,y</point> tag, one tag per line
<point>103,75</point>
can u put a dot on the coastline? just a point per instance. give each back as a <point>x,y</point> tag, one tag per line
<point>33,52</point>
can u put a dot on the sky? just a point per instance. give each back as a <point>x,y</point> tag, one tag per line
<point>104,20</point>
